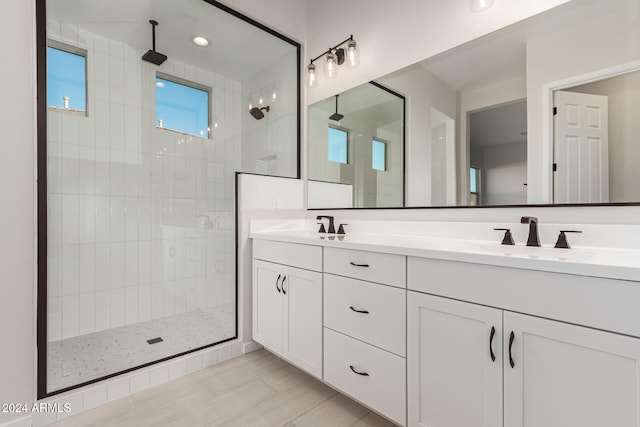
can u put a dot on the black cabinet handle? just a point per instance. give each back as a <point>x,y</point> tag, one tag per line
<point>277,280</point>
<point>493,334</point>
<point>364,374</point>
<point>512,336</point>
<point>358,311</point>
<point>358,265</point>
<point>282,285</point>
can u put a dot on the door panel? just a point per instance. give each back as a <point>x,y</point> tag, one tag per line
<point>303,324</point>
<point>452,379</point>
<point>581,148</point>
<point>267,305</point>
<point>566,375</point>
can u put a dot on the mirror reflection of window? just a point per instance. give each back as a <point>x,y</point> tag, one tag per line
<point>379,155</point>
<point>66,77</point>
<point>474,186</point>
<point>337,145</point>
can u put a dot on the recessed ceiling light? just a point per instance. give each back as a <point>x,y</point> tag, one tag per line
<point>480,5</point>
<point>200,41</point>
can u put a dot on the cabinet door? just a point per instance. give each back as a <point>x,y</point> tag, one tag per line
<point>302,344</point>
<point>267,305</point>
<point>569,376</point>
<point>454,367</point>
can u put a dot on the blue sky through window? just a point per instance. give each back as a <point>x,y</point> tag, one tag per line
<point>182,108</point>
<point>66,76</point>
<point>378,155</point>
<point>337,145</point>
<point>473,180</point>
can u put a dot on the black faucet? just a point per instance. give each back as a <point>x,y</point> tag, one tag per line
<point>534,237</point>
<point>332,228</point>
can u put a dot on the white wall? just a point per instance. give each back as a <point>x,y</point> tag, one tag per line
<point>423,92</point>
<point>395,34</point>
<point>17,198</point>
<point>580,49</point>
<point>504,174</point>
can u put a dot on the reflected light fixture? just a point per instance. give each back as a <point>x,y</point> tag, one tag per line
<point>200,41</point>
<point>480,5</point>
<point>345,51</point>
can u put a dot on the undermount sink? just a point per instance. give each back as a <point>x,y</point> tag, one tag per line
<point>543,253</point>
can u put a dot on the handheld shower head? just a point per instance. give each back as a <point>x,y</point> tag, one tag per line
<point>257,112</point>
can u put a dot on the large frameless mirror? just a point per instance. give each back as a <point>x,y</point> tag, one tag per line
<point>481,128</point>
<point>151,108</point>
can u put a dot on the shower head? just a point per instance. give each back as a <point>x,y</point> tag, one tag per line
<point>257,112</point>
<point>336,116</point>
<point>151,55</point>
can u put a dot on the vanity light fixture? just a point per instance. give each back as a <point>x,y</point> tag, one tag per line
<point>200,41</point>
<point>345,51</point>
<point>480,5</point>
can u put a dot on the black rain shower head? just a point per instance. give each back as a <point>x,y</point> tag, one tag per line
<point>336,116</point>
<point>151,55</point>
<point>257,112</point>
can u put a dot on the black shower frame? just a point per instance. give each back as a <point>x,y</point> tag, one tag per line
<point>41,168</point>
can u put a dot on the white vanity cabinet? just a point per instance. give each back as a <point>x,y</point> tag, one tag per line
<point>545,372</point>
<point>287,302</point>
<point>364,328</point>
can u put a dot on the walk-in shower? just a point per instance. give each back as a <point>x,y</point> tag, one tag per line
<point>137,238</point>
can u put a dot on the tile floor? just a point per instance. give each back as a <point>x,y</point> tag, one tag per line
<point>86,357</point>
<point>256,389</point>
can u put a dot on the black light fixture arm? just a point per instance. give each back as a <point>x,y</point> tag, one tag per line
<point>331,49</point>
<point>153,32</point>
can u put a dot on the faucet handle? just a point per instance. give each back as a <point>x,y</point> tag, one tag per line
<point>562,242</point>
<point>322,229</point>
<point>508,237</point>
<point>341,229</point>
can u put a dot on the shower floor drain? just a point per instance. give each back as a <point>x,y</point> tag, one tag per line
<point>154,340</point>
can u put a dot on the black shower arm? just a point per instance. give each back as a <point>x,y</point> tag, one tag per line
<point>331,49</point>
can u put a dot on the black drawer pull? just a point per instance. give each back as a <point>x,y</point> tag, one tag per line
<point>364,374</point>
<point>493,333</point>
<point>512,336</point>
<point>358,311</point>
<point>277,280</point>
<point>282,285</point>
<point>358,265</point>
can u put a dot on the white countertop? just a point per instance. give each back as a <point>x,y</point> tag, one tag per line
<point>623,264</point>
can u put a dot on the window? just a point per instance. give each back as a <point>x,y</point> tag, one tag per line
<point>474,185</point>
<point>338,139</point>
<point>379,155</point>
<point>182,106</point>
<point>66,77</point>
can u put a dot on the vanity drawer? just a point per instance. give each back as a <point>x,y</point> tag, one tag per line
<point>377,267</point>
<point>308,257</point>
<point>384,323</point>
<point>384,386</point>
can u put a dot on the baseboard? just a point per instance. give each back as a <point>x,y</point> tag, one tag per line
<point>251,346</point>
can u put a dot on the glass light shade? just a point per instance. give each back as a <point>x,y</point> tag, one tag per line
<point>312,78</point>
<point>331,66</point>
<point>480,5</point>
<point>352,55</point>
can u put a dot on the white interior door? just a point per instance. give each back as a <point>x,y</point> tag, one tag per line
<point>581,148</point>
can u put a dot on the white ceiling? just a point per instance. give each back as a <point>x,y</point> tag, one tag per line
<point>501,56</point>
<point>179,20</point>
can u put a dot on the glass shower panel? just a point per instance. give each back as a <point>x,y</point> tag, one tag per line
<point>141,218</point>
